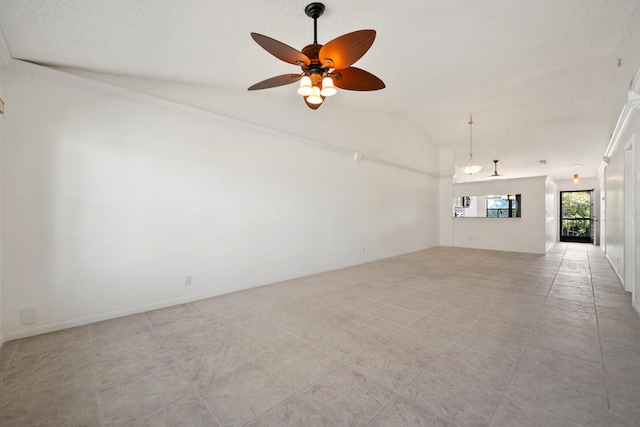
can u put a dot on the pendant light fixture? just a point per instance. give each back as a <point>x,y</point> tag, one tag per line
<point>576,178</point>
<point>470,168</point>
<point>495,174</point>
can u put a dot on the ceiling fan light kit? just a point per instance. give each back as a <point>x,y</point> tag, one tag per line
<point>324,67</point>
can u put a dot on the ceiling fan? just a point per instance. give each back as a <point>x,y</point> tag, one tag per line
<point>323,67</point>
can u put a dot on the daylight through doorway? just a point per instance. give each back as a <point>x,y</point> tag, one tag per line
<point>576,217</point>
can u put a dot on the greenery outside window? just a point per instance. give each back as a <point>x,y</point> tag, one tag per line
<point>503,206</point>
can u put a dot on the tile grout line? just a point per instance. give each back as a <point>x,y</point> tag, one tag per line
<point>295,393</point>
<point>6,370</point>
<point>444,351</point>
<point>375,342</point>
<point>179,368</point>
<point>255,363</point>
<point>420,373</point>
<point>570,261</point>
<point>342,364</point>
<point>95,377</point>
<point>530,405</point>
<point>524,349</point>
<point>604,371</point>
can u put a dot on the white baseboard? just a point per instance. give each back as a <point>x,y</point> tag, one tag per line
<point>636,307</point>
<point>72,323</point>
<point>615,270</point>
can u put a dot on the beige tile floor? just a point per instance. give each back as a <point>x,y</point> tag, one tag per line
<point>441,337</point>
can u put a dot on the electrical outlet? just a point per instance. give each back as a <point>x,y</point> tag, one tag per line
<point>187,281</point>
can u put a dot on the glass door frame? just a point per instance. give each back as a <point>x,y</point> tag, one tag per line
<point>590,220</point>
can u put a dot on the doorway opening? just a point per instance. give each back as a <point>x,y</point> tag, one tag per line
<point>576,209</point>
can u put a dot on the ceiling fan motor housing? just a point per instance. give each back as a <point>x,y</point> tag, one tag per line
<point>314,69</point>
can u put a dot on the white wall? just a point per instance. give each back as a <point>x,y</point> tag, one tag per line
<point>4,59</point>
<point>552,220</point>
<point>388,137</point>
<point>602,211</point>
<point>111,198</point>
<point>631,203</point>
<point>629,213</point>
<point>614,208</point>
<point>636,236</point>
<point>636,198</point>
<point>525,234</point>
<point>1,202</point>
<point>619,207</point>
<point>445,199</point>
<point>625,126</point>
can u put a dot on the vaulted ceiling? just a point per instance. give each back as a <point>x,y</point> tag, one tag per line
<point>545,79</point>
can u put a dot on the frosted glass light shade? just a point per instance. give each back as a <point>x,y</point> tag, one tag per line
<point>470,168</point>
<point>305,88</point>
<point>315,97</point>
<point>328,89</point>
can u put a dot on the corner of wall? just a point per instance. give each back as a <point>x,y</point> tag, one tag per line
<point>445,195</point>
<point>551,212</point>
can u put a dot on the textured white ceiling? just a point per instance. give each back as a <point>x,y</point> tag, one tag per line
<point>541,77</point>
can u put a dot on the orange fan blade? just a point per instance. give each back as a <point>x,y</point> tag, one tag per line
<point>345,50</point>
<point>276,81</point>
<point>353,78</point>
<point>281,50</point>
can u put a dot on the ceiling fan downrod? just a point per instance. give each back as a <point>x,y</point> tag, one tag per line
<point>314,11</point>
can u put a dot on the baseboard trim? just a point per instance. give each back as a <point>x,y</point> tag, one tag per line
<point>72,323</point>
<point>636,307</point>
<point>550,247</point>
<point>615,270</point>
